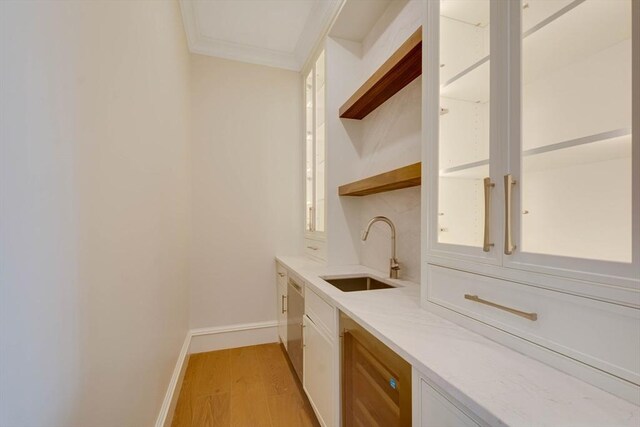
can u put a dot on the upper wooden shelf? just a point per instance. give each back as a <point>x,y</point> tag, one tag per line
<point>404,177</point>
<point>398,71</point>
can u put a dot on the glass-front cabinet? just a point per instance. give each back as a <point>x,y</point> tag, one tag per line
<point>536,117</point>
<point>464,128</point>
<point>315,134</point>
<point>572,139</point>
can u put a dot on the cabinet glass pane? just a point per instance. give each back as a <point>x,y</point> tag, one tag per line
<point>308,99</point>
<point>464,120</point>
<point>320,144</point>
<point>576,129</point>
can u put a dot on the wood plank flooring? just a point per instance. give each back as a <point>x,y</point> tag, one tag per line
<point>248,386</point>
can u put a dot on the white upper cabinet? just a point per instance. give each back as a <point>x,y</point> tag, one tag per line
<point>464,157</point>
<point>314,84</point>
<point>315,154</point>
<point>570,151</point>
<point>533,143</point>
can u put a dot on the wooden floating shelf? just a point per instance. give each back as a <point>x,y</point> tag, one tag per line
<point>398,71</point>
<point>407,176</point>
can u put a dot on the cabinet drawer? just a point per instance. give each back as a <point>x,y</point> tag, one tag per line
<point>600,334</point>
<point>315,248</point>
<point>281,275</point>
<point>320,312</point>
<point>437,411</point>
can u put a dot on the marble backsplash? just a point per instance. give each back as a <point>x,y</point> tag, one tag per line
<point>403,208</point>
<point>391,138</point>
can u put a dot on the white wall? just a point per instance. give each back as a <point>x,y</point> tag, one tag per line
<point>343,161</point>
<point>95,199</point>
<point>247,187</point>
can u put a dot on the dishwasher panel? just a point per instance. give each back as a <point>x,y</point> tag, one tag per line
<point>376,382</point>
<point>295,311</point>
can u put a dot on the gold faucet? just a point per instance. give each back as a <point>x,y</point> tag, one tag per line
<point>394,267</point>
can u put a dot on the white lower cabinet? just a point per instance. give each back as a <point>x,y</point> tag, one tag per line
<point>433,408</point>
<point>319,372</point>
<point>584,329</point>
<point>281,286</point>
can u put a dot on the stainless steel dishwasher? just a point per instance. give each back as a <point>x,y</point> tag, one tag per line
<point>295,311</point>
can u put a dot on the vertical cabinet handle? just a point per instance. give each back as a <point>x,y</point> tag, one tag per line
<point>311,224</point>
<point>283,303</point>
<point>487,214</point>
<point>509,182</point>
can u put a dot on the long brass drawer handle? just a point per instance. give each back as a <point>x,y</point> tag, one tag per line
<point>283,303</point>
<point>531,316</point>
<point>487,214</point>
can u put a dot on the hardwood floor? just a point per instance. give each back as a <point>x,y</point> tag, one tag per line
<point>249,386</point>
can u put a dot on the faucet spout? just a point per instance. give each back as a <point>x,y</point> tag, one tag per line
<point>394,267</point>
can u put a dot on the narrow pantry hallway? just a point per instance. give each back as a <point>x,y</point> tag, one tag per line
<point>248,386</point>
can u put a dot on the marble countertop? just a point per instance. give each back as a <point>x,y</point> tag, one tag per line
<point>498,384</point>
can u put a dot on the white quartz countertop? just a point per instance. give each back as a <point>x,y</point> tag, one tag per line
<point>500,385</point>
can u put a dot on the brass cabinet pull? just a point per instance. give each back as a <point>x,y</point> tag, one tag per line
<point>487,214</point>
<point>282,303</point>
<point>313,248</point>
<point>531,316</point>
<point>509,182</point>
<point>280,274</point>
<point>311,219</point>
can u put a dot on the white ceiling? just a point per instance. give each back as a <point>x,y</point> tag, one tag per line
<point>278,33</point>
<point>357,17</point>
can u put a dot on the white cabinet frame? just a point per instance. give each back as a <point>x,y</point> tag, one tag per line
<point>431,130</point>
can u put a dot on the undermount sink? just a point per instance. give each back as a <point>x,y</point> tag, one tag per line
<point>360,283</point>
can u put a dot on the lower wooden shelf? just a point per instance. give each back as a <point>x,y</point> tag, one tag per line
<point>404,177</point>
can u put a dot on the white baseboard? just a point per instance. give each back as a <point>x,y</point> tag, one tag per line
<point>211,339</point>
<point>173,391</point>
<point>232,336</point>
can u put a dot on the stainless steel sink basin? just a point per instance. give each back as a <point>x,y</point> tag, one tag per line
<point>354,284</point>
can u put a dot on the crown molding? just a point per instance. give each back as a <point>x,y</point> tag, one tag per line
<point>244,53</point>
<point>315,28</point>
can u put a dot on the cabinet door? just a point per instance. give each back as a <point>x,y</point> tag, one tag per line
<point>573,161</point>
<point>437,411</point>
<point>463,219</point>
<point>319,372</point>
<point>315,149</point>
<point>282,313</point>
